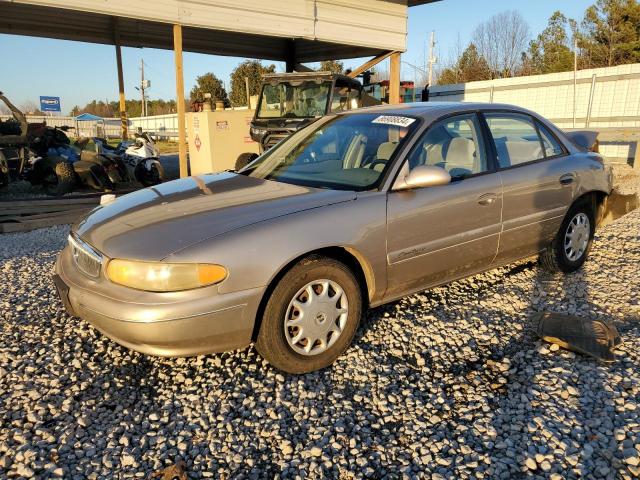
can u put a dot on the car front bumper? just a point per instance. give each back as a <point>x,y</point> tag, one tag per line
<point>168,324</point>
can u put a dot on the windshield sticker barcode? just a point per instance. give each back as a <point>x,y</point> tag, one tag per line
<point>394,120</point>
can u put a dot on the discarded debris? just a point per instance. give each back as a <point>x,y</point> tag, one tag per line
<point>595,338</point>
<point>174,472</point>
<point>618,205</point>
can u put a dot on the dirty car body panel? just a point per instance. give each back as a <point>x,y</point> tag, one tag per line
<point>401,241</point>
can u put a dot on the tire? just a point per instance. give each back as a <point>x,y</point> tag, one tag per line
<point>151,177</point>
<point>278,345</point>
<point>245,159</point>
<point>59,177</point>
<point>558,256</point>
<point>4,171</point>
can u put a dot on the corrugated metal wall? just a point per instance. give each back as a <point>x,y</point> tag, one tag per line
<point>614,98</point>
<point>616,95</point>
<point>368,23</point>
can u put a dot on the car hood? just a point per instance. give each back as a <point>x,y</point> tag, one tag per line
<point>153,223</point>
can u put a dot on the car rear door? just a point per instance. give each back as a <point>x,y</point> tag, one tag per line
<point>436,234</point>
<point>537,182</point>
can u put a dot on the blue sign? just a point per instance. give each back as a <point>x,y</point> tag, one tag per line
<point>50,104</point>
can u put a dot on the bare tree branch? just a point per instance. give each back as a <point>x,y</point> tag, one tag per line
<point>501,41</point>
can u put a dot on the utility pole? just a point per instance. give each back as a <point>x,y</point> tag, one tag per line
<point>432,59</point>
<point>575,77</point>
<point>144,85</point>
<point>143,106</point>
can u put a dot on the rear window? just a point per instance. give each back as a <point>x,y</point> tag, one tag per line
<point>551,145</point>
<point>516,138</point>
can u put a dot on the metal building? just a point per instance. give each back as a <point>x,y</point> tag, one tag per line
<point>292,31</point>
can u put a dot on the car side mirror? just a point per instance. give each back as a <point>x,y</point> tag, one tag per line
<point>423,176</point>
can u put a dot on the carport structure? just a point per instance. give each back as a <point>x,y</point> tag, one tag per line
<point>291,31</point>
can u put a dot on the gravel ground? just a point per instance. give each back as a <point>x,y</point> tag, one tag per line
<point>450,383</point>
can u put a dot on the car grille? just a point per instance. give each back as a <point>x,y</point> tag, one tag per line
<point>86,258</point>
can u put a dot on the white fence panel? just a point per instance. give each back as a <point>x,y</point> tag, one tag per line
<point>615,99</point>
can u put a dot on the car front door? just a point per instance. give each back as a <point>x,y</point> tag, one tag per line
<point>440,233</point>
<point>537,183</point>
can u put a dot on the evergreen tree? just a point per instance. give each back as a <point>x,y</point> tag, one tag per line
<point>209,83</point>
<point>252,69</point>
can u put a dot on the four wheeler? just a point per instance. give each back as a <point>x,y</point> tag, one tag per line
<point>45,156</point>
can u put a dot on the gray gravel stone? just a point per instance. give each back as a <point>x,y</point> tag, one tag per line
<point>449,383</point>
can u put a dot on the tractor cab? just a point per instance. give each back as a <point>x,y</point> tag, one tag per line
<point>290,101</point>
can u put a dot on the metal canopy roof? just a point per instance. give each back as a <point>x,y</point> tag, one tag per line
<point>304,31</point>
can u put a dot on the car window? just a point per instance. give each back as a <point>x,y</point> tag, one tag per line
<point>551,146</point>
<point>515,137</point>
<point>344,98</point>
<point>454,144</point>
<point>347,152</point>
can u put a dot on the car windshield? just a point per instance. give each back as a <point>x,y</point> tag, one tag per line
<point>294,99</point>
<point>344,152</point>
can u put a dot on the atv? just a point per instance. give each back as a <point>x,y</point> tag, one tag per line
<point>45,156</point>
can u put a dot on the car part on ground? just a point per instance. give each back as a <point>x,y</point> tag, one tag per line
<point>595,338</point>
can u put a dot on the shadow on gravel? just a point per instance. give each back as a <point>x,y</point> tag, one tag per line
<point>569,407</point>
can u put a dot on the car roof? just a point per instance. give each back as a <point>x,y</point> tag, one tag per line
<point>432,110</point>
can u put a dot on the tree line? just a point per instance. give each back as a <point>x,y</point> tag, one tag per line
<point>501,47</point>
<point>206,83</point>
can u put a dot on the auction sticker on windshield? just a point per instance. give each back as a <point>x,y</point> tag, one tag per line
<point>394,120</point>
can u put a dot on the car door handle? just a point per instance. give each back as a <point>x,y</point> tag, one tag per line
<point>567,179</point>
<point>487,198</point>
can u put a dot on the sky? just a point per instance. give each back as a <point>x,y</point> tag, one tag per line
<point>80,72</point>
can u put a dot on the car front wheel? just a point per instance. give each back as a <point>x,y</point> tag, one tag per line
<point>311,316</point>
<point>570,248</point>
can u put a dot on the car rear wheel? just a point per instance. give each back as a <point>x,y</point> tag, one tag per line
<point>311,316</point>
<point>570,248</point>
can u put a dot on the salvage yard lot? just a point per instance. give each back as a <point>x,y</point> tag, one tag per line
<point>450,383</point>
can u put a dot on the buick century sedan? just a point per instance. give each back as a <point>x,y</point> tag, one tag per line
<point>356,210</point>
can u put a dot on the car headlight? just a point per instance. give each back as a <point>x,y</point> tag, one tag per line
<point>164,277</point>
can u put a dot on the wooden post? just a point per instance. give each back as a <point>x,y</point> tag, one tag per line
<point>123,104</point>
<point>394,78</point>
<point>368,64</point>
<point>182,137</point>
